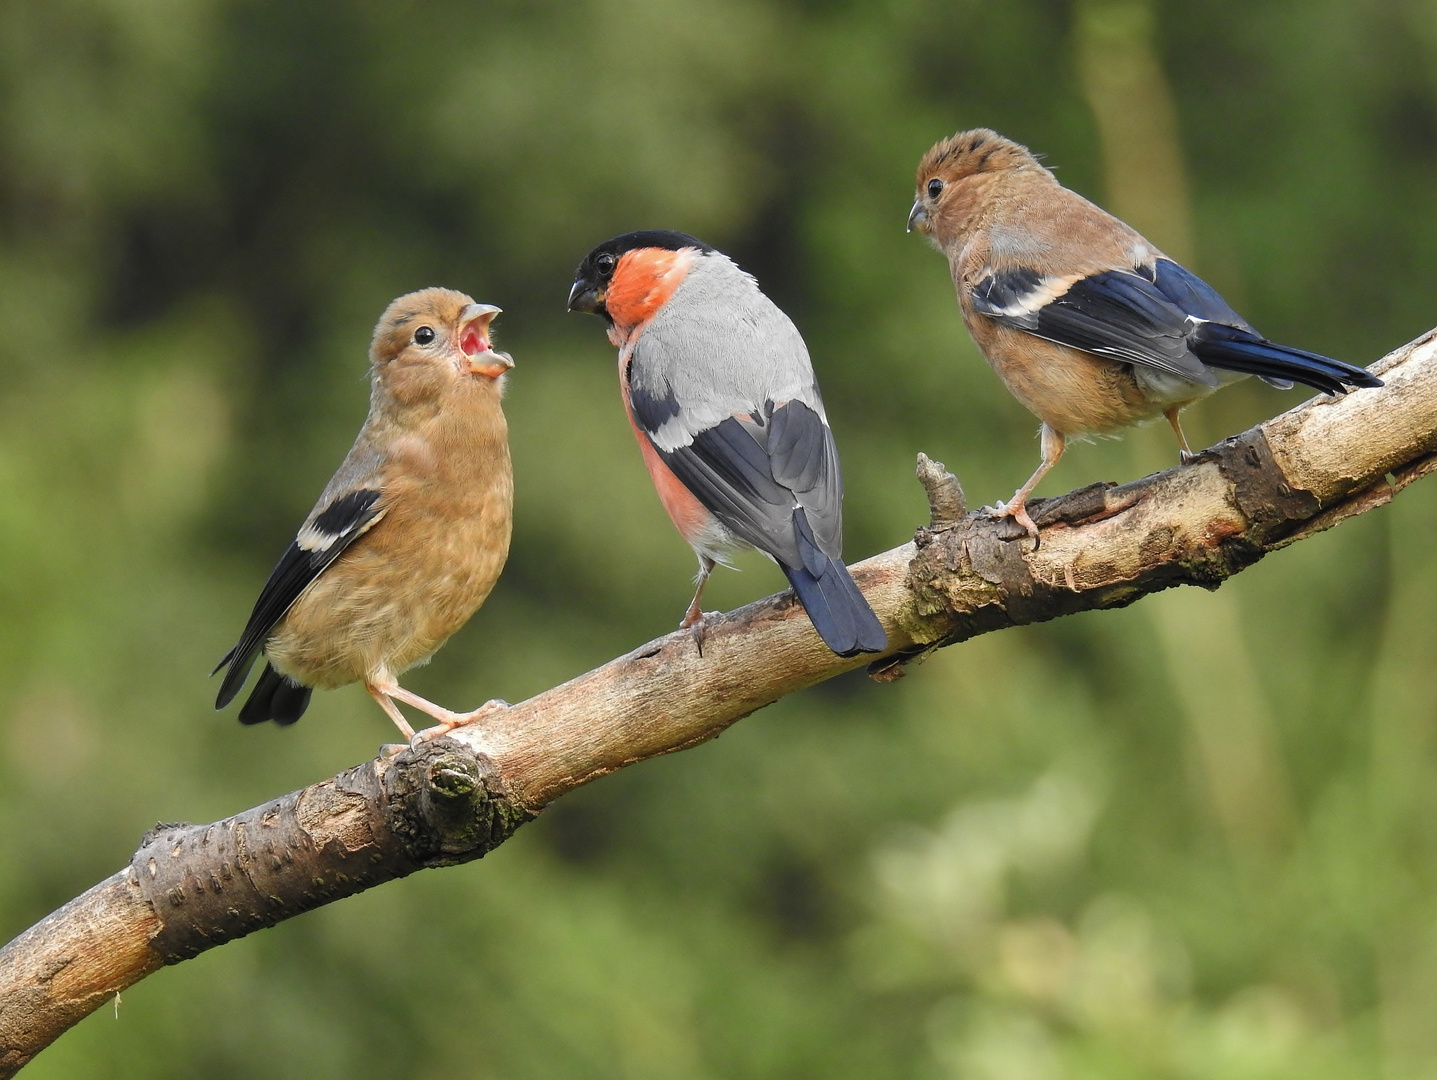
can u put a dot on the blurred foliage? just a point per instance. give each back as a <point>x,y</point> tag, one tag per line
<point>1196,838</point>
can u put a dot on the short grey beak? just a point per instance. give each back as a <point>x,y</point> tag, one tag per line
<point>585,297</point>
<point>918,217</point>
<point>477,311</point>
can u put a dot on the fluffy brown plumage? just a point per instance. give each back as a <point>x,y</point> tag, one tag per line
<point>409,536</point>
<point>1090,326</point>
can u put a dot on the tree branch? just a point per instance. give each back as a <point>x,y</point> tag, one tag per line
<point>192,887</point>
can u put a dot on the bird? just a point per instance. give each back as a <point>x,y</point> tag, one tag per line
<point>1090,326</point>
<point>408,537</point>
<point>721,395</point>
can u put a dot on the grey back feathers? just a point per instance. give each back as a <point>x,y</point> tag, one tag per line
<point>719,383</point>
<point>720,346</point>
<point>734,409</point>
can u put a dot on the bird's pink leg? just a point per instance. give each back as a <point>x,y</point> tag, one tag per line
<point>693,619</point>
<point>1184,454</point>
<point>380,694</point>
<point>386,690</point>
<point>1053,445</point>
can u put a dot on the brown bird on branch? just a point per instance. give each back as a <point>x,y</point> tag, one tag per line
<point>1090,326</point>
<point>408,537</point>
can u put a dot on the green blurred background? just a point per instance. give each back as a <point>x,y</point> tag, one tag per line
<point>1195,838</point>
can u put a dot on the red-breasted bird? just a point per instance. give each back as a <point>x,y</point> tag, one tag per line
<point>1089,325</point>
<point>723,400</point>
<point>408,537</point>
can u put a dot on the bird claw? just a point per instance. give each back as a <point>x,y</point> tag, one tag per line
<point>697,625</point>
<point>1019,514</point>
<point>453,720</point>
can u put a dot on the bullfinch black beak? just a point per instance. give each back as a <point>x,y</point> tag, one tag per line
<point>918,217</point>
<point>585,296</point>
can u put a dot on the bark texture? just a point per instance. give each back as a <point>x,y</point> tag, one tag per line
<point>191,887</point>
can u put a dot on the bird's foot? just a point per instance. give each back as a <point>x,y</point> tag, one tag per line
<point>1018,511</point>
<point>696,623</point>
<point>448,721</point>
<point>1186,457</point>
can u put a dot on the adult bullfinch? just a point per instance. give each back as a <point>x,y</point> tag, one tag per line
<point>408,537</point>
<point>722,398</point>
<point>1089,325</point>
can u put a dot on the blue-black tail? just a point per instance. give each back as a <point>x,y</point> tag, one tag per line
<point>1235,349</point>
<point>275,697</point>
<point>828,593</point>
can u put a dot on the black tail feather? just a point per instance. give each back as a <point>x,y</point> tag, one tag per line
<point>838,610</point>
<point>275,697</point>
<point>1234,349</point>
<point>832,599</point>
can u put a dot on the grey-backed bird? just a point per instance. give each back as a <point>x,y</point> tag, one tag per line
<point>722,397</point>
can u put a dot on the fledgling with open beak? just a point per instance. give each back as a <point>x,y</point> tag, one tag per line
<point>408,537</point>
<point>1090,326</point>
<point>722,397</point>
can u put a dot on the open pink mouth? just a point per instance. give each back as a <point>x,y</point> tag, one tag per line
<point>473,342</point>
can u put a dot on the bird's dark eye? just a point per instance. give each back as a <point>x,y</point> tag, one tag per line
<point>424,335</point>
<point>605,265</point>
<point>935,188</point>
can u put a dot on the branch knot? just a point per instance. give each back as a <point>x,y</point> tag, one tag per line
<point>946,504</point>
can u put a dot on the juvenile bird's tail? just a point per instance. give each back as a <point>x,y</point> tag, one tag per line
<point>828,593</point>
<point>1235,349</point>
<point>276,698</point>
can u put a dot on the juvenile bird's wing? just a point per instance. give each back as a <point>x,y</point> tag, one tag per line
<point>1143,315</point>
<point>349,507</point>
<point>1158,315</point>
<point>720,383</point>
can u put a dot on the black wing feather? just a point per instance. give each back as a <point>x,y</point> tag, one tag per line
<point>773,479</point>
<point>1001,290</point>
<point>1191,294</point>
<point>752,473</point>
<point>1124,316</point>
<point>1162,316</point>
<point>1117,313</point>
<point>342,522</point>
<point>800,449</point>
<point>650,411</point>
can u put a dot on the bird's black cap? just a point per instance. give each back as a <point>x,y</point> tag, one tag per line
<point>587,291</point>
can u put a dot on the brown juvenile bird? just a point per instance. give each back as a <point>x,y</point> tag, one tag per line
<point>1090,326</point>
<point>408,537</point>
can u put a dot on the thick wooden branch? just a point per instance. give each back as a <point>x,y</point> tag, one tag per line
<point>191,887</point>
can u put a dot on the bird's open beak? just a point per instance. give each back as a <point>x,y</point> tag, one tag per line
<point>918,217</point>
<point>586,296</point>
<point>474,323</point>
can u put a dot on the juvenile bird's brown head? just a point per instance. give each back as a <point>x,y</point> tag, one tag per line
<point>959,174</point>
<point>432,342</point>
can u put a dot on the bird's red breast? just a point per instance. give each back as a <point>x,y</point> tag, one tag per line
<point>690,517</point>
<point>643,282</point>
